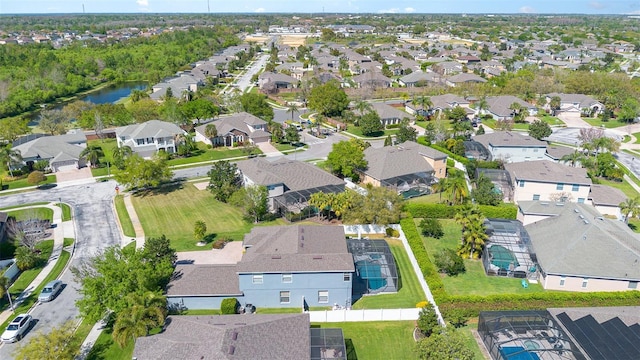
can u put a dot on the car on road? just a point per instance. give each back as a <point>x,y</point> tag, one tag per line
<point>50,291</point>
<point>17,328</point>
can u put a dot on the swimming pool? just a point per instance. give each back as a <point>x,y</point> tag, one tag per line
<point>502,257</point>
<point>371,272</point>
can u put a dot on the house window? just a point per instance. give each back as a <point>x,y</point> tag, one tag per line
<point>575,187</point>
<point>346,277</point>
<point>524,150</point>
<point>285,297</point>
<point>585,282</point>
<point>139,141</point>
<point>287,278</point>
<point>257,279</point>
<point>560,186</point>
<point>323,296</point>
<point>535,150</point>
<point>536,197</point>
<point>633,284</point>
<point>562,280</point>
<point>580,200</point>
<point>521,183</point>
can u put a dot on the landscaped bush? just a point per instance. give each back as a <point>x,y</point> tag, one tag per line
<point>459,158</point>
<point>391,232</point>
<point>449,262</point>
<point>220,243</point>
<point>431,227</point>
<point>393,126</point>
<point>443,211</point>
<point>229,306</point>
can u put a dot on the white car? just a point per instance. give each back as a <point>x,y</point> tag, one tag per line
<point>50,291</point>
<point>17,328</point>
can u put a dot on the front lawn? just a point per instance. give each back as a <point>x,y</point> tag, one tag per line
<point>172,211</point>
<point>611,124</point>
<point>106,348</point>
<point>205,154</point>
<point>42,213</point>
<point>356,130</point>
<point>22,183</point>
<point>123,217</point>
<point>474,281</point>
<point>410,292</point>
<point>376,339</point>
<point>551,120</point>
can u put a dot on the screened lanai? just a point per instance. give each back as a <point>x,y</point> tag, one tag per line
<point>509,252</point>
<point>294,205</point>
<point>376,270</point>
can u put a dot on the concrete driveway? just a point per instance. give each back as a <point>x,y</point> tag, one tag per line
<point>230,254</point>
<point>73,174</point>
<point>572,119</point>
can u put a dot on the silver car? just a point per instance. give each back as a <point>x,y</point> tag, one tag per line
<point>50,291</point>
<point>16,329</point>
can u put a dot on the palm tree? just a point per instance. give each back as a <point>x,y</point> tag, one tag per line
<point>473,232</point>
<point>516,108</point>
<point>441,186</point>
<point>574,158</point>
<point>630,206</point>
<point>121,154</point>
<point>10,158</point>
<point>457,187</point>
<point>211,131</point>
<point>482,105</point>
<point>4,290</point>
<point>92,154</point>
<point>292,108</point>
<point>554,104</point>
<point>145,312</point>
<point>363,106</point>
<point>424,102</point>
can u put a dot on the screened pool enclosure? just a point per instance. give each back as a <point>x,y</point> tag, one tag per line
<point>376,270</point>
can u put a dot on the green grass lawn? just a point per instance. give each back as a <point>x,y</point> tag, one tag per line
<point>551,120</point>
<point>106,349</point>
<point>410,292</point>
<point>173,212</point>
<point>428,199</point>
<point>288,146</point>
<point>474,281</point>
<point>372,340</point>
<point>107,145</point>
<point>624,186</point>
<point>123,217</point>
<point>205,154</point>
<point>356,130</point>
<point>611,124</point>
<point>38,212</point>
<point>66,211</point>
<point>22,183</point>
<point>23,205</point>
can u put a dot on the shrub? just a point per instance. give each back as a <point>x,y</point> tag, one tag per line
<point>26,258</point>
<point>229,306</point>
<point>432,228</point>
<point>443,211</point>
<point>449,262</point>
<point>456,318</point>
<point>220,243</point>
<point>391,232</point>
<point>428,320</point>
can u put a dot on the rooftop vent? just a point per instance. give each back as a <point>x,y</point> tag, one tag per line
<point>544,203</point>
<point>576,210</point>
<point>234,335</point>
<point>561,204</point>
<point>276,257</point>
<point>581,216</point>
<point>585,221</point>
<point>232,349</point>
<point>317,257</point>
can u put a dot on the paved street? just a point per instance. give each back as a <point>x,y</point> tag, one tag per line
<point>96,229</point>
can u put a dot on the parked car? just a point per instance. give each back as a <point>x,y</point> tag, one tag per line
<point>50,291</point>
<point>17,328</point>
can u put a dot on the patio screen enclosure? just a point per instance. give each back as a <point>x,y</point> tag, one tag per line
<point>509,252</point>
<point>376,270</point>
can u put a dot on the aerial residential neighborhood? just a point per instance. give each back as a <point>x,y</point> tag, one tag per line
<point>361,182</point>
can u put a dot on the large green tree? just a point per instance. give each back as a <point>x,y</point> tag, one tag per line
<point>92,154</point>
<point>379,206</point>
<point>224,180</point>
<point>406,132</point>
<point>199,109</point>
<point>144,312</point>
<point>370,123</point>
<point>631,206</point>
<point>445,344</point>
<point>256,104</point>
<point>328,99</point>
<point>253,202</point>
<point>485,192</point>
<point>57,344</point>
<point>11,129</point>
<point>139,173</point>
<point>53,122</point>
<point>346,157</point>
<point>539,129</point>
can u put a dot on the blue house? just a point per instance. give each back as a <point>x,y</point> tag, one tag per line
<point>282,266</point>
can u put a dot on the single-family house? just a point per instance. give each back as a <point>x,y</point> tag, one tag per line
<point>419,78</point>
<point>548,181</point>
<point>500,107</point>
<point>577,103</point>
<point>268,81</point>
<point>372,80</point>
<point>512,147</point>
<point>403,166</point>
<point>290,183</point>
<point>256,337</point>
<point>390,115</point>
<point>464,78</point>
<point>61,151</point>
<point>439,104</point>
<point>607,199</point>
<point>149,137</point>
<point>181,86</point>
<point>580,250</point>
<point>235,129</point>
<point>281,266</point>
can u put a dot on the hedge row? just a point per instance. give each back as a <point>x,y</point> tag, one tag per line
<point>457,157</point>
<point>429,270</point>
<point>472,305</point>
<point>444,211</point>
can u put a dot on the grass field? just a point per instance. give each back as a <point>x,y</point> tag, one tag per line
<point>374,340</point>
<point>611,124</point>
<point>173,212</point>
<point>37,212</point>
<point>106,349</point>
<point>355,130</point>
<point>551,120</point>
<point>66,211</point>
<point>205,154</point>
<point>123,217</point>
<point>22,183</point>
<point>410,292</point>
<point>474,281</point>
<point>624,186</point>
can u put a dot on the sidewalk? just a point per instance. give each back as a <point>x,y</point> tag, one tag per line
<point>58,242</point>
<point>137,226</point>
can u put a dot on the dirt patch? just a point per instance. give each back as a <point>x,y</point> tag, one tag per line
<point>257,39</point>
<point>293,40</point>
<point>74,174</point>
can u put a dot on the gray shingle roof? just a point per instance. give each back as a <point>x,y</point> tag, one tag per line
<point>547,208</point>
<point>403,159</point>
<point>49,147</point>
<point>386,111</point>
<point>300,248</point>
<point>548,172</point>
<point>419,75</point>
<point>583,100</point>
<point>149,129</point>
<point>606,195</point>
<point>240,121</point>
<point>589,246</point>
<point>499,105</point>
<point>204,280</point>
<point>508,139</point>
<point>295,175</point>
<point>448,101</point>
<point>222,337</point>
<point>556,152</point>
<point>462,78</point>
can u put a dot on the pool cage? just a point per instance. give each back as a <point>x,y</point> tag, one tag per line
<point>475,150</point>
<point>327,343</point>
<point>410,185</point>
<point>525,335</point>
<point>509,252</point>
<point>501,180</point>
<point>294,205</point>
<point>376,270</point>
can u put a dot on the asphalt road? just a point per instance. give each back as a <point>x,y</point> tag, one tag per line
<point>96,229</point>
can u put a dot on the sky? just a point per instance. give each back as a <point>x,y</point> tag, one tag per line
<point>320,6</point>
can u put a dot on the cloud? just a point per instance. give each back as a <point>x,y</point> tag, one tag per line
<point>527,10</point>
<point>596,5</point>
<point>144,3</point>
<point>409,10</point>
<point>259,10</point>
<point>389,11</point>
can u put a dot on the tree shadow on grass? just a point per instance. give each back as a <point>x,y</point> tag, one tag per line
<point>633,227</point>
<point>163,189</point>
<point>351,350</point>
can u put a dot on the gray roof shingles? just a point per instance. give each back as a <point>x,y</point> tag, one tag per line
<point>547,172</point>
<point>508,139</point>
<point>403,159</point>
<point>295,175</point>
<point>204,280</point>
<point>149,129</point>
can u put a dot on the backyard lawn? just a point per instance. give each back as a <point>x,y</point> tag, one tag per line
<point>376,339</point>
<point>172,211</point>
<point>474,281</point>
<point>410,292</point>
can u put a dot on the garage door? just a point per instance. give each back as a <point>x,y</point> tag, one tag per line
<point>65,165</point>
